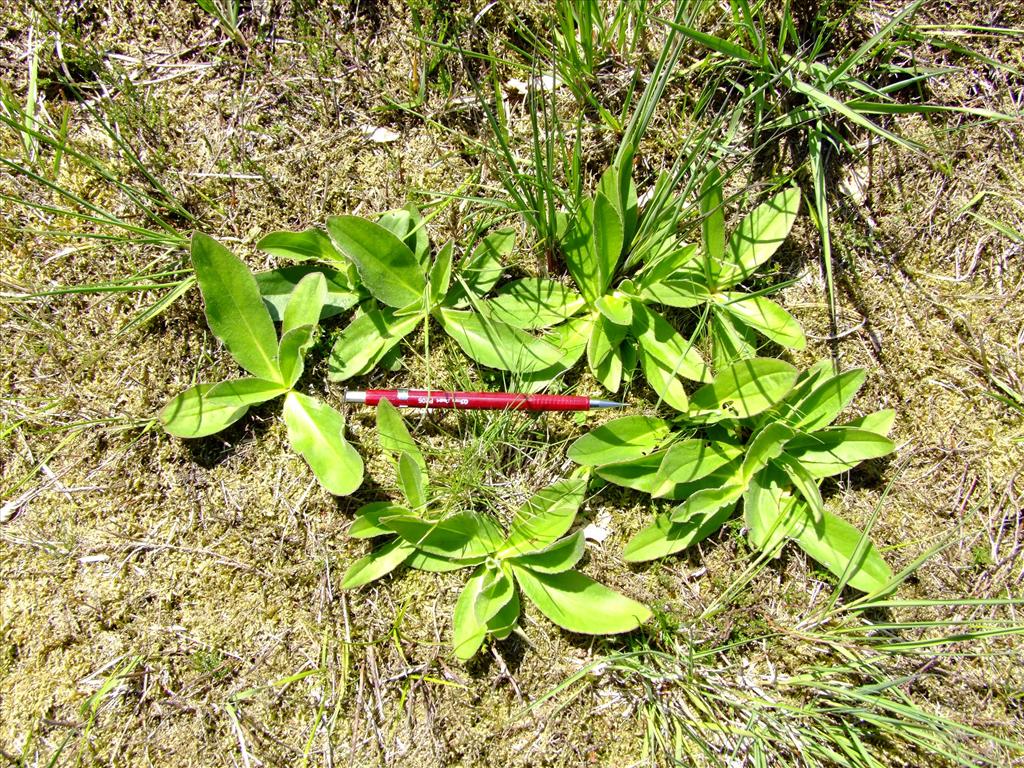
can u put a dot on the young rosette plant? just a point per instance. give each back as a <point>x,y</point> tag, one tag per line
<point>607,318</point>
<point>761,435</point>
<point>711,277</point>
<point>537,555</point>
<point>238,316</point>
<point>393,259</point>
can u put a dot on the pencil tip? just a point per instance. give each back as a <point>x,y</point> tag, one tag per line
<point>605,404</point>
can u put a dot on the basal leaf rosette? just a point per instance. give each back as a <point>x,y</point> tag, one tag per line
<point>760,436</point>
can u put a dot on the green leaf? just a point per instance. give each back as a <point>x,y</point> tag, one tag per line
<point>768,509</point>
<point>305,303</point>
<point>410,478</point>
<point>617,186</point>
<point>485,265</point>
<point>639,474</point>
<point>387,267</point>
<point>879,422</point>
<point>194,413</point>
<point>616,309</point>
<point>677,292</point>
<point>291,353</point>
<point>311,244</point>
<point>805,484</point>
<point>408,226</point>
<point>368,521</point>
<point>767,317</point>
<point>378,563</point>
<point>545,516</point>
<point>365,341</point>
<point>744,389</point>
<point>663,381</point>
<point>393,435</point>
<point>690,460</point>
<point>424,561</point>
<point>664,537</point>
<point>759,235</point>
<point>498,345</point>
<point>603,355</point>
<point>609,371</point>
<point>592,246</point>
<point>468,631</point>
<point>458,537</point>
<point>533,302</point>
<point>440,277</point>
<point>709,501</point>
<point>217,401</point>
<point>495,592</point>
<point>629,437</point>
<point>608,240</point>
<point>843,549</point>
<point>827,400</point>
<point>712,211</point>
<point>660,341</point>
<point>276,288</point>
<point>678,262</point>
<point>504,621</point>
<point>731,340</point>
<point>554,558</point>
<point>727,474</point>
<point>316,431</point>
<point>234,309</point>
<point>570,338</point>
<point>828,452</point>
<point>579,604</point>
<point>766,445</point>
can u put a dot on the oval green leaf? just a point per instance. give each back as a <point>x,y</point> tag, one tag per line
<point>498,345</point>
<point>316,431</point>
<point>533,302</point>
<point>546,516</point>
<point>629,437</point>
<point>845,551</point>
<point>378,563</point>
<point>744,389</point>
<point>300,246</point>
<point>766,317</point>
<point>234,308</point>
<point>387,267</point>
<point>579,604</point>
<point>663,537</point>
<point>276,288</point>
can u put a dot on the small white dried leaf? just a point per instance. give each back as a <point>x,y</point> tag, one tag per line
<point>379,135</point>
<point>517,85</point>
<point>521,87</point>
<point>854,183</point>
<point>598,530</point>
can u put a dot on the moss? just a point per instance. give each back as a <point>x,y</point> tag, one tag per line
<point>217,562</point>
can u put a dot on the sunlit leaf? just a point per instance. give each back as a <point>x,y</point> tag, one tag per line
<point>234,309</point>
<point>619,440</point>
<point>546,515</point>
<point>316,431</point>
<point>843,549</point>
<point>378,563</point>
<point>744,389</point>
<point>387,267</point>
<point>580,604</point>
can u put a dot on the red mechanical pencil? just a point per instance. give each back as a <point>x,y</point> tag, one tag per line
<point>423,398</point>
